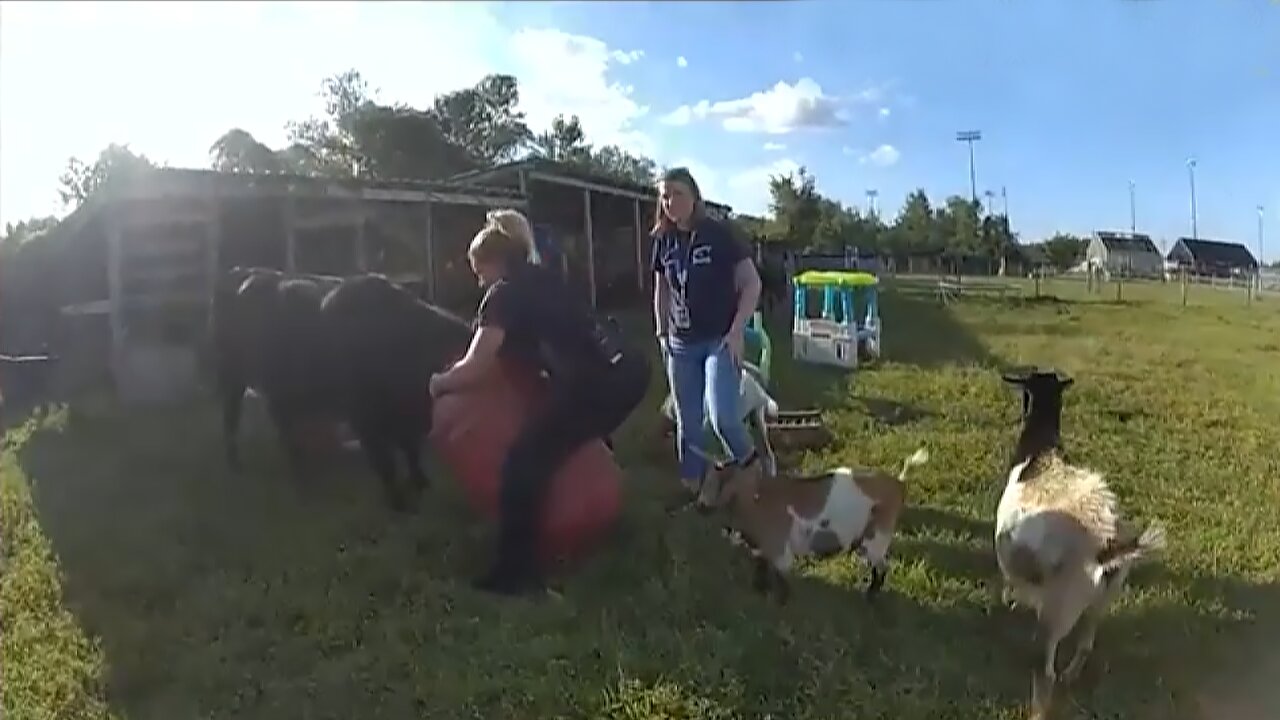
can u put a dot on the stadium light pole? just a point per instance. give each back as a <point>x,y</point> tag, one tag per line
<point>1004,195</point>
<point>1133,208</point>
<point>871,201</point>
<point>1191,173</point>
<point>991,202</point>
<point>1261,212</point>
<point>969,136</point>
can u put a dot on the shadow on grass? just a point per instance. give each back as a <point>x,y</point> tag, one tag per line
<point>920,331</point>
<point>218,595</point>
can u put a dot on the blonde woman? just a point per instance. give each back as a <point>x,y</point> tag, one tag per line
<point>595,382</point>
<point>705,290</point>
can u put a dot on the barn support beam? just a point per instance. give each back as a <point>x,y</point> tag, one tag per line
<point>429,246</point>
<point>115,286</point>
<point>640,269</point>
<point>591,252</point>
<point>361,219</point>
<point>290,213</point>
<point>213,250</point>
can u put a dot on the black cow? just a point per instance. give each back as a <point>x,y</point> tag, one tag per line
<point>267,335</point>
<point>386,344</point>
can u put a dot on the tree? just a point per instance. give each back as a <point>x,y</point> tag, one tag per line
<point>565,142</point>
<point>484,119</point>
<point>796,207</point>
<point>1064,250</point>
<point>17,235</point>
<point>239,151</point>
<point>114,164</point>
<point>915,229</point>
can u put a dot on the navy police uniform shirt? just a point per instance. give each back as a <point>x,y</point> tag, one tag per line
<point>698,268</point>
<point>545,323</point>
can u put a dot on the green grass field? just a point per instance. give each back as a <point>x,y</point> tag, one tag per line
<point>211,595</point>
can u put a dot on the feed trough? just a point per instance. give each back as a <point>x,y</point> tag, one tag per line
<point>798,430</point>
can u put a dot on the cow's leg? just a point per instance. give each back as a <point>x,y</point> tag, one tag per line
<point>286,420</point>
<point>412,430</point>
<point>378,447</point>
<point>232,392</point>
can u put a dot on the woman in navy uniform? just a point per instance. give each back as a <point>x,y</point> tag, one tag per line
<point>706,288</point>
<point>528,311</point>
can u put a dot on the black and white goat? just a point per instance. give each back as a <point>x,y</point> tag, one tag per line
<point>757,408</point>
<point>785,518</point>
<point>1061,545</point>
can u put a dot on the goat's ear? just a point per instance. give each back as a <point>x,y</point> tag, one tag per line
<point>1065,382</point>
<point>1013,379</point>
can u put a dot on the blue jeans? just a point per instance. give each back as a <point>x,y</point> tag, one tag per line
<point>702,375</point>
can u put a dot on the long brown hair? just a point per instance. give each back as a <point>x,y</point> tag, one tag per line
<point>662,223</point>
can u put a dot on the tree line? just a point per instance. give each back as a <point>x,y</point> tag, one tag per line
<point>357,136</point>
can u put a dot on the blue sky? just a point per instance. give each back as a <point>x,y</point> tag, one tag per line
<point>1074,97</point>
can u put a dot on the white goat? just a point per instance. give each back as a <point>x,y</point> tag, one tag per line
<point>1059,539</point>
<point>756,405</point>
<point>786,518</point>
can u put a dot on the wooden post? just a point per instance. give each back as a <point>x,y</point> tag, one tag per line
<point>1184,287</point>
<point>591,252</point>
<point>115,281</point>
<point>213,249</point>
<point>290,234</point>
<point>1119,285</point>
<point>361,252</point>
<point>640,264</point>
<point>429,246</point>
<point>1036,274</point>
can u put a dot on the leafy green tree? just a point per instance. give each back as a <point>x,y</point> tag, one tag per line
<point>484,119</point>
<point>18,234</point>
<point>796,207</point>
<point>114,164</point>
<point>1064,250</point>
<point>239,151</point>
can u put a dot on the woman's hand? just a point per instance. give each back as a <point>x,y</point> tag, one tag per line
<point>436,385</point>
<point>736,342</point>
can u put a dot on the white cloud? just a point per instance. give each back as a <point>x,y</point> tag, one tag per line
<point>564,73</point>
<point>885,112</point>
<point>883,156</point>
<point>774,146</point>
<point>851,152</point>
<point>747,191</point>
<point>797,56</point>
<point>781,109</point>
<point>682,62</point>
<point>102,55</point>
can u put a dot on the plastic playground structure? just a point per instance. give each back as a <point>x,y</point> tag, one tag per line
<point>838,337</point>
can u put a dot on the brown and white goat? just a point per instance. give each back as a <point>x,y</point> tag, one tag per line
<point>1061,546</point>
<point>784,518</point>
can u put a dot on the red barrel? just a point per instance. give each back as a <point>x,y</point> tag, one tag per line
<point>472,430</point>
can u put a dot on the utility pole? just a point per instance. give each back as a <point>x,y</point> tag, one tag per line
<point>991,203</point>
<point>1004,195</point>
<point>1191,172</point>
<point>1133,209</point>
<point>1261,212</point>
<point>969,136</point>
<point>871,202</point>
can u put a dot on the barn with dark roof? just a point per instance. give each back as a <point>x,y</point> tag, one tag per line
<point>1127,254</point>
<point>1213,257</point>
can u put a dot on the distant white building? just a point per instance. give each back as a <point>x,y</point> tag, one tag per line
<point>1125,254</point>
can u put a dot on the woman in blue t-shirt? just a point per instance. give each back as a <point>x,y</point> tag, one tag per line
<point>705,290</point>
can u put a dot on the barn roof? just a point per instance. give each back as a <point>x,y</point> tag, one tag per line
<point>1219,252</point>
<point>1128,242</point>
<point>550,170</point>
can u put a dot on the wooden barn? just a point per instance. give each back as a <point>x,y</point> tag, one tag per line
<point>1124,254</point>
<point>129,275</point>
<point>126,280</point>
<point>568,205</point>
<point>1214,258</point>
